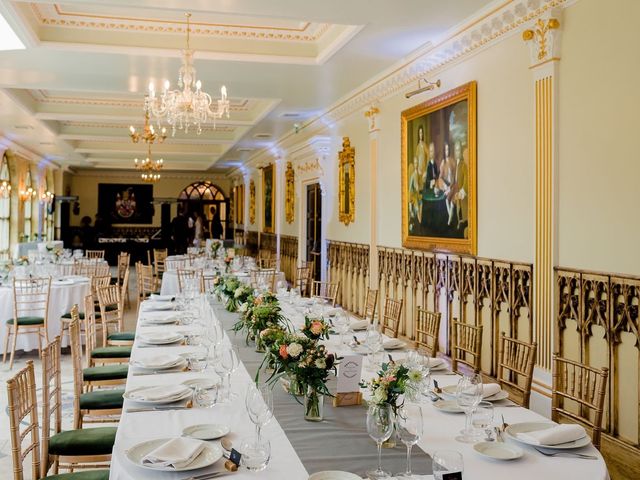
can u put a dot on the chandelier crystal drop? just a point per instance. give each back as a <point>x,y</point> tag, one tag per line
<point>150,168</point>
<point>187,106</point>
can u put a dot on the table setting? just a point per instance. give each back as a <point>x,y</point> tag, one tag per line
<point>216,387</point>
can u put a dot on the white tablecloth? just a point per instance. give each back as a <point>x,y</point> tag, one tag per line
<point>61,299</point>
<point>440,430</point>
<point>170,281</point>
<point>22,249</point>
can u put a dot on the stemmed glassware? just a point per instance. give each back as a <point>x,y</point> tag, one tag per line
<point>468,396</point>
<point>259,403</point>
<point>482,420</point>
<point>341,324</point>
<point>226,364</point>
<point>409,428</point>
<point>379,428</point>
<point>373,341</point>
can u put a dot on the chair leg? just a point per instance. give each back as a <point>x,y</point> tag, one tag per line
<point>13,346</point>
<point>39,333</point>
<point>6,344</point>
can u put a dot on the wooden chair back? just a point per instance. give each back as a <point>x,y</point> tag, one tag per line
<point>91,267</point>
<point>174,264</point>
<point>91,254</point>
<point>159,257</point>
<point>583,385</point>
<point>326,291</point>
<point>208,283</point>
<point>51,399</point>
<point>98,282</point>
<point>76,361</point>
<point>31,298</point>
<point>370,304</point>
<point>90,328</point>
<point>124,260</point>
<point>391,317</point>
<point>259,278</point>
<point>146,281</point>
<point>23,421</point>
<point>111,310</point>
<point>427,331</point>
<point>466,346</point>
<point>516,360</point>
<point>190,275</point>
<point>268,263</point>
<point>304,277</point>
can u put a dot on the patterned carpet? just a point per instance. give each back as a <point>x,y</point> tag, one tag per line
<point>6,464</point>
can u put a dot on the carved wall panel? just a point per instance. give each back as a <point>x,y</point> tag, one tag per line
<point>596,323</point>
<point>289,256</point>
<point>348,263</point>
<point>252,241</point>
<point>268,242</point>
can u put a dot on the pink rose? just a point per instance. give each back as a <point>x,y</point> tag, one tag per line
<point>316,328</point>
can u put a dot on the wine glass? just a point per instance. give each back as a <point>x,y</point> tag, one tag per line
<point>341,324</point>
<point>468,396</point>
<point>373,341</point>
<point>409,427</point>
<point>226,363</point>
<point>446,461</point>
<point>259,404</point>
<point>379,428</point>
<point>482,419</point>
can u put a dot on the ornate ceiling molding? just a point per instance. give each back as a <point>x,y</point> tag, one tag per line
<point>187,175</point>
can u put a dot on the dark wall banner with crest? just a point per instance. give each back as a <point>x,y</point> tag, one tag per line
<point>125,203</point>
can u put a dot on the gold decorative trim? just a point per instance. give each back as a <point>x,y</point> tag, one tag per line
<point>541,35</point>
<point>347,182</point>
<point>290,194</point>
<point>252,202</point>
<point>269,174</point>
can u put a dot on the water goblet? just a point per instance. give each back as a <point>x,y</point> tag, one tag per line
<point>446,461</point>
<point>259,405</point>
<point>482,420</point>
<point>373,341</point>
<point>468,396</point>
<point>341,324</point>
<point>409,427</point>
<point>226,364</point>
<point>379,428</point>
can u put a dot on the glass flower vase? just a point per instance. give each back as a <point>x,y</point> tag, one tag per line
<point>295,387</point>
<point>392,440</point>
<point>313,405</point>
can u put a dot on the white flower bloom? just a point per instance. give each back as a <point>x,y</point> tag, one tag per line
<point>238,292</point>
<point>415,375</point>
<point>320,363</point>
<point>380,395</point>
<point>295,349</point>
<point>301,335</point>
<point>243,307</point>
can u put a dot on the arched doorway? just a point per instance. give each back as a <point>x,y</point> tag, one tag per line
<point>207,199</point>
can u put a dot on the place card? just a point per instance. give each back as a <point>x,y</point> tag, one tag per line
<point>452,476</point>
<point>349,375</point>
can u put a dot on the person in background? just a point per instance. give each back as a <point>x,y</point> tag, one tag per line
<point>198,233</point>
<point>87,233</point>
<point>215,225</point>
<point>180,231</point>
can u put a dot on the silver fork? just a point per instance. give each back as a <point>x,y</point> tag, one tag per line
<point>566,454</point>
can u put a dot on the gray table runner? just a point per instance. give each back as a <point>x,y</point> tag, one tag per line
<point>340,442</point>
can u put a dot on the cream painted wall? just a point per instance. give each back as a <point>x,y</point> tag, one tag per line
<point>599,159</point>
<point>85,186</point>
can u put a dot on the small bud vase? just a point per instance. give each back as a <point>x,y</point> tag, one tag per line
<point>313,405</point>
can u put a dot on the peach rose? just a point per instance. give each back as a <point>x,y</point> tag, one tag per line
<point>283,351</point>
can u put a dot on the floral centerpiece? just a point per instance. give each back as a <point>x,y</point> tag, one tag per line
<point>315,328</point>
<point>239,298</point>
<point>259,314</point>
<point>214,248</point>
<point>21,261</point>
<point>312,372</point>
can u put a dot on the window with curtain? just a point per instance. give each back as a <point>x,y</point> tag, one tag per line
<point>28,208</point>
<point>5,206</point>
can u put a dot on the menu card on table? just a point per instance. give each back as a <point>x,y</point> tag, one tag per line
<point>349,375</point>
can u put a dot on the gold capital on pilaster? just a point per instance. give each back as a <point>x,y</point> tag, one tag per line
<point>372,115</point>
<point>543,38</point>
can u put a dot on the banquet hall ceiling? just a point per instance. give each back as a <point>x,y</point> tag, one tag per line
<point>72,93</point>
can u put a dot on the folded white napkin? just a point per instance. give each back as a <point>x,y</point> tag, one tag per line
<point>159,317</point>
<point>177,453</point>
<point>161,392</point>
<point>162,298</point>
<point>332,311</point>
<point>359,325</point>
<point>435,362</point>
<point>555,435</point>
<point>392,343</point>
<point>153,306</point>
<point>160,337</point>
<point>490,389</point>
<point>159,361</point>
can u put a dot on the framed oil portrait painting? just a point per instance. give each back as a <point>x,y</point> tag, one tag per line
<point>268,199</point>
<point>439,173</point>
<point>125,203</point>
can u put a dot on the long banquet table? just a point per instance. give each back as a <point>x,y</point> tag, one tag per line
<point>300,448</point>
<point>170,280</point>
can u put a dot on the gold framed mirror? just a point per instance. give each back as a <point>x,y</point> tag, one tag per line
<point>347,179</point>
<point>252,202</point>
<point>290,194</point>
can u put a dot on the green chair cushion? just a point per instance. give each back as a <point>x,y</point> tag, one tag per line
<point>111,352</point>
<point>86,441</point>
<point>88,475</point>
<point>68,315</point>
<point>110,308</point>
<point>122,336</point>
<point>105,372</point>
<point>102,399</point>
<point>28,320</point>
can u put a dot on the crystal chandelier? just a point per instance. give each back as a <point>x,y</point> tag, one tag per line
<point>190,106</point>
<point>150,168</point>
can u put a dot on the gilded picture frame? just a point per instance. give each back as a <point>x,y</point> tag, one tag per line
<point>290,194</point>
<point>252,202</point>
<point>268,199</point>
<point>347,182</point>
<point>439,173</point>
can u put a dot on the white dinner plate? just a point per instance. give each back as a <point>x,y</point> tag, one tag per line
<point>448,406</point>
<point>210,455</point>
<point>160,338</point>
<point>63,281</point>
<point>179,362</point>
<point>393,344</point>
<point>498,450</point>
<point>159,320</point>
<point>450,391</point>
<point>200,382</point>
<point>151,306</point>
<point>513,430</point>
<point>334,475</point>
<point>206,431</point>
<point>128,395</point>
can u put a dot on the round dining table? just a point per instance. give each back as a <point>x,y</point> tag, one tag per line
<point>63,295</point>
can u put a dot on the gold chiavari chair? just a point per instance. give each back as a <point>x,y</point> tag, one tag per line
<point>427,330</point>
<point>91,268</point>
<point>30,310</point>
<point>71,449</point>
<point>325,290</point>
<point>370,304</point>
<point>190,275</point>
<point>516,360</point>
<point>111,302</point>
<point>159,257</point>
<point>208,283</point>
<point>304,277</point>
<point>91,254</point>
<point>174,264</point>
<point>268,263</point>
<point>264,277</point>
<point>101,355</point>
<point>466,346</point>
<point>584,386</point>
<point>96,406</point>
<point>390,324</point>
<point>66,269</point>
<point>96,282</point>
<point>124,259</point>
<point>147,283</point>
